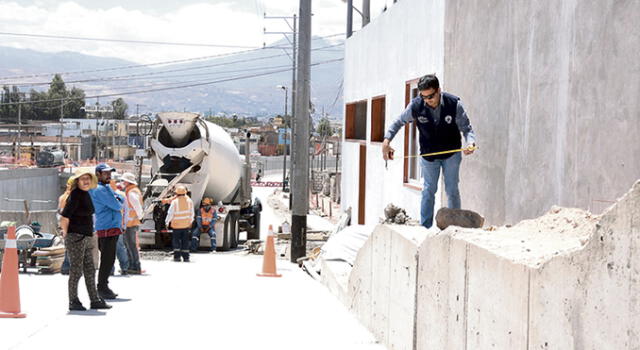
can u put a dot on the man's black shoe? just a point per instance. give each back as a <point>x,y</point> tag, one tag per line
<point>107,294</point>
<point>76,305</point>
<point>100,304</point>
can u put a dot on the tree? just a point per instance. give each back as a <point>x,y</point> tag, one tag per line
<point>324,128</point>
<point>119,108</point>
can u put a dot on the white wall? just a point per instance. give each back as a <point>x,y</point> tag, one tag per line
<point>404,43</point>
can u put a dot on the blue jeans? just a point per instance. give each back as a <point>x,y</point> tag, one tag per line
<point>180,240</point>
<point>122,255</point>
<point>431,173</point>
<point>195,240</point>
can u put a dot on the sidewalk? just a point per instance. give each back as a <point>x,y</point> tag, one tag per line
<point>214,301</point>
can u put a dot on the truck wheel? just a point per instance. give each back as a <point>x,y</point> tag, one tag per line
<point>254,231</point>
<point>234,229</point>
<point>226,236</point>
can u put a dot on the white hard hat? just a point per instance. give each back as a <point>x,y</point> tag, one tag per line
<point>130,178</point>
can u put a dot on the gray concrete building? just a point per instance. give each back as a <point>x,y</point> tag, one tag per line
<point>551,89</point>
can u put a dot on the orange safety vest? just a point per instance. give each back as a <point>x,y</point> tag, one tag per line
<point>132,217</point>
<point>182,213</point>
<point>207,216</point>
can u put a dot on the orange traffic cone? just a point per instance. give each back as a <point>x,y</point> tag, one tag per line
<point>269,261</point>
<point>9,287</point>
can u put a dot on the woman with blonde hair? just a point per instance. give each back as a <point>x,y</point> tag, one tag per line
<point>77,228</point>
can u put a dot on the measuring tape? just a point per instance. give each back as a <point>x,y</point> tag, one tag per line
<point>470,148</point>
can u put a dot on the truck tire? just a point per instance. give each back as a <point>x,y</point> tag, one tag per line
<point>226,235</point>
<point>254,231</point>
<point>234,229</point>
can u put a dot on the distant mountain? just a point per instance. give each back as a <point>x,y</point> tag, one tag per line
<point>254,96</point>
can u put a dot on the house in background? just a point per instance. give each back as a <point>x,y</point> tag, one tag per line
<point>375,96</point>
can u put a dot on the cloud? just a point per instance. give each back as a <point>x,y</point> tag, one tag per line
<point>221,23</point>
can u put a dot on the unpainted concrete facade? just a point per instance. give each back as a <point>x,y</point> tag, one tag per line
<point>551,89</point>
<point>30,184</point>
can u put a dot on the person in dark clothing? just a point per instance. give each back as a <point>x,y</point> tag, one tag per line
<point>76,224</point>
<point>108,208</point>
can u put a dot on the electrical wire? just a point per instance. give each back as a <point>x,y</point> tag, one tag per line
<point>162,72</point>
<point>158,63</point>
<point>170,88</point>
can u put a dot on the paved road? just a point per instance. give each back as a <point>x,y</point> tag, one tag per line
<point>216,302</point>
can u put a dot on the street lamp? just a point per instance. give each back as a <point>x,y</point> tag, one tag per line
<point>284,165</point>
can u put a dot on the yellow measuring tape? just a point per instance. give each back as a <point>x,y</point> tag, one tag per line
<point>470,148</point>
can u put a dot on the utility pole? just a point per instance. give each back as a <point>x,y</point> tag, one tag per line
<point>19,128</point>
<point>61,124</point>
<point>293,107</point>
<point>292,121</point>
<point>301,165</point>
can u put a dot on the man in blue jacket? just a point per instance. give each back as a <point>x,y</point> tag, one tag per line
<point>440,120</point>
<point>108,213</point>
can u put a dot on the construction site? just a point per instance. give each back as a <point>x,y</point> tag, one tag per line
<point>330,240</point>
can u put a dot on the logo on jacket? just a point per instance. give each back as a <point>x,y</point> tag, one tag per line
<point>448,119</point>
<point>423,119</point>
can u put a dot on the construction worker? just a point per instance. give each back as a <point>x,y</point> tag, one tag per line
<point>205,219</point>
<point>133,217</point>
<point>440,119</point>
<point>180,219</point>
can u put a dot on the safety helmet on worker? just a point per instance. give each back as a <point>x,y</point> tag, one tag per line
<point>181,190</point>
<point>206,201</point>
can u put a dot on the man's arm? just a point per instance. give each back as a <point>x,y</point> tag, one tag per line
<point>169,217</point>
<point>134,199</point>
<point>462,120</point>
<point>64,225</point>
<point>103,195</point>
<point>405,117</point>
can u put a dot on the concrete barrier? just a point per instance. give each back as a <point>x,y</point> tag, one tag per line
<point>518,288</point>
<point>46,218</point>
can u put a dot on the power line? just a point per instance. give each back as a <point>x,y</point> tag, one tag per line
<point>170,88</point>
<point>127,41</point>
<point>163,62</point>
<point>165,71</point>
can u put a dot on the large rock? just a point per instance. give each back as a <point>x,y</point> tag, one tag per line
<point>458,217</point>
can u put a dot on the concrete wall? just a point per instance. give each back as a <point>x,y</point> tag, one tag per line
<point>475,289</point>
<point>403,43</point>
<point>46,218</point>
<point>382,285</point>
<point>552,89</point>
<point>30,184</point>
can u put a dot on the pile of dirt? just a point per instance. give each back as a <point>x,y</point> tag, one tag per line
<point>532,242</point>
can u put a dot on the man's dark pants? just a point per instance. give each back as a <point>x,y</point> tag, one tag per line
<point>181,240</point>
<point>107,246</point>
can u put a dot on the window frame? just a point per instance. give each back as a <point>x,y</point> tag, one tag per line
<point>411,138</point>
<point>378,118</point>
<point>350,121</point>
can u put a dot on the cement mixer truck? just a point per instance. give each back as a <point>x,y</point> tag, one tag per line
<point>187,150</point>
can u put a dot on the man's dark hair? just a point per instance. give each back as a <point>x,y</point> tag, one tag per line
<point>429,81</point>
